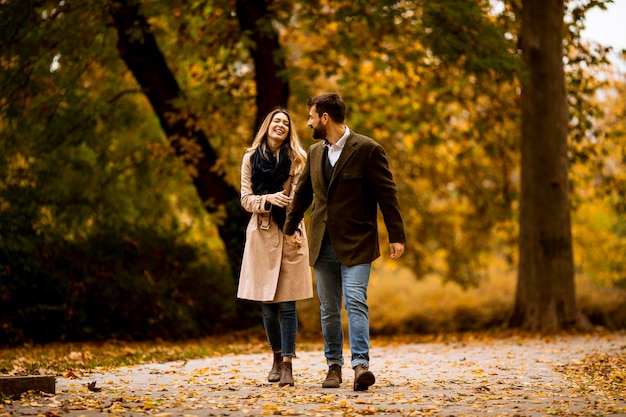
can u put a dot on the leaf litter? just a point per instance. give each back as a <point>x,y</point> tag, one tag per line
<point>459,375</point>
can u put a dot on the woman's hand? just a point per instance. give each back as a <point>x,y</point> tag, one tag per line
<point>279,199</point>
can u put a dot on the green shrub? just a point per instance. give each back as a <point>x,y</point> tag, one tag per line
<point>131,285</point>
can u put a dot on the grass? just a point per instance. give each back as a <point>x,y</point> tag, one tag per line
<point>57,358</point>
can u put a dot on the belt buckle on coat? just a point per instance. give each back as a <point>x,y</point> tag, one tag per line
<point>265,226</point>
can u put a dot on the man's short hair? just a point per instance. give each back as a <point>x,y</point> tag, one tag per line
<point>331,104</point>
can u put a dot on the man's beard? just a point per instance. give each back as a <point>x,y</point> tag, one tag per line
<point>320,132</point>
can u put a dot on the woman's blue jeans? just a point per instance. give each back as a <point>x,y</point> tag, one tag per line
<point>334,279</point>
<point>281,325</point>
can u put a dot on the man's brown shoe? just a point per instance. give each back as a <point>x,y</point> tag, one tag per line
<point>363,378</point>
<point>333,379</point>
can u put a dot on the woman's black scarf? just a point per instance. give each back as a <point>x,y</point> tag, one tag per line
<point>268,175</point>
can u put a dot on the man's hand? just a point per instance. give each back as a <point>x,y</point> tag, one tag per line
<point>295,240</point>
<point>396,250</point>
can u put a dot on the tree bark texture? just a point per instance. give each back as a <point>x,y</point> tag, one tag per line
<point>272,85</point>
<point>138,48</point>
<point>545,298</point>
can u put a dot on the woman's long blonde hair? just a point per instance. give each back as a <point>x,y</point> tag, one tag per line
<point>296,151</point>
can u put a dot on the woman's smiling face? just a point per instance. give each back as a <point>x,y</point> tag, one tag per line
<point>279,127</point>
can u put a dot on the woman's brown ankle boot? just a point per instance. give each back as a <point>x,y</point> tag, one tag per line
<point>286,375</point>
<point>274,375</point>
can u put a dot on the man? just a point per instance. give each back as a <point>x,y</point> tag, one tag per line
<point>349,176</point>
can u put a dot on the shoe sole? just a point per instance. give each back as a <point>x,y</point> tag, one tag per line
<point>325,385</point>
<point>365,380</point>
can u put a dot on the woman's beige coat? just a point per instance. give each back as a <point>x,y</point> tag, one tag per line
<point>271,270</point>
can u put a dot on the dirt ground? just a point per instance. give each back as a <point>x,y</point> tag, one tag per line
<point>501,377</point>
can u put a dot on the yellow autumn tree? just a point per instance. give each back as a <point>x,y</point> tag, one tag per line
<point>599,219</point>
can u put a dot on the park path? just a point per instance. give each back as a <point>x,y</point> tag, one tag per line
<point>501,377</point>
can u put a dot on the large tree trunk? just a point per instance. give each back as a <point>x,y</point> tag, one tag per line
<point>269,61</point>
<point>138,48</point>
<point>546,298</point>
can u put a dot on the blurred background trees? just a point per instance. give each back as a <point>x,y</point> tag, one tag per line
<point>123,124</point>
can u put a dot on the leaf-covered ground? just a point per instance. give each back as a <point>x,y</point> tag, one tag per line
<point>468,375</point>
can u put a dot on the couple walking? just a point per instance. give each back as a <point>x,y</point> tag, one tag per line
<point>348,176</point>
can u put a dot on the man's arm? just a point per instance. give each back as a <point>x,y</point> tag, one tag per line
<point>302,199</point>
<point>387,196</point>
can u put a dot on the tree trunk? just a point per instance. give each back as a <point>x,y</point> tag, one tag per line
<point>269,62</point>
<point>546,298</point>
<point>138,48</point>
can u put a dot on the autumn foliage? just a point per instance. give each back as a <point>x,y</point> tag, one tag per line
<point>108,227</point>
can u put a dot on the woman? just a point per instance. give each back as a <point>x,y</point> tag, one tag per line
<point>272,271</point>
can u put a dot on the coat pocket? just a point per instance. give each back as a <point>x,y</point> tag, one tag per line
<point>352,174</point>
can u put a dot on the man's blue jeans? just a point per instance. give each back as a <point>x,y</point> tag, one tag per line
<point>281,325</point>
<point>333,279</point>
